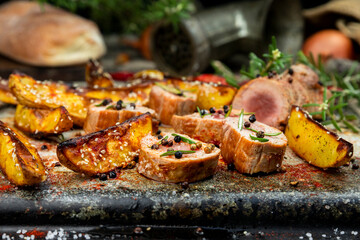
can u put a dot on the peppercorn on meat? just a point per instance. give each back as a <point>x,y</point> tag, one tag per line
<point>176,158</point>
<point>103,114</point>
<point>253,147</point>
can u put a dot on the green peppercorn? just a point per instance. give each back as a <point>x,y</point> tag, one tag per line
<point>207,149</point>
<point>198,144</point>
<point>212,146</point>
<point>193,147</point>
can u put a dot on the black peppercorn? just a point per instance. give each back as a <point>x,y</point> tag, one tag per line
<point>260,134</point>
<point>103,177</point>
<point>164,142</point>
<point>136,159</point>
<point>178,155</point>
<point>112,175</point>
<point>355,166</point>
<point>231,167</point>
<point>177,139</point>
<point>252,118</point>
<point>290,80</point>
<point>212,110</point>
<point>159,136</point>
<point>291,71</point>
<point>158,132</point>
<point>132,105</point>
<point>202,112</point>
<point>226,108</point>
<point>118,105</point>
<point>155,146</point>
<point>44,147</point>
<point>170,143</point>
<point>257,75</point>
<point>270,74</point>
<point>105,102</point>
<point>247,124</point>
<point>184,185</point>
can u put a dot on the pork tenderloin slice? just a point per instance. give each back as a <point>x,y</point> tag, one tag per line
<point>251,156</point>
<point>190,168</point>
<point>267,98</point>
<point>99,117</point>
<point>305,75</point>
<point>206,129</point>
<point>167,104</point>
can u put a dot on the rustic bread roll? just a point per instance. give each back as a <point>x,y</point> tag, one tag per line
<point>47,36</point>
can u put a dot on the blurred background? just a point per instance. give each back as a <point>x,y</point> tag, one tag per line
<point>182,37</point>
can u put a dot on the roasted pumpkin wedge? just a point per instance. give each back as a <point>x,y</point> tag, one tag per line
<point>42,122</point>
<point>214,96</point>
<point>37,94</point>
<point>314,143</point>
<point>5,95</point>
<point>106,150</point>
<point>19,160</point>
<point>95,75</point>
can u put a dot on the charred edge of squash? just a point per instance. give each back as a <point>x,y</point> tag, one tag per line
<point>343,143</point>
<point>191,80</point>
<point>82,139</point>
<point>19,145</point>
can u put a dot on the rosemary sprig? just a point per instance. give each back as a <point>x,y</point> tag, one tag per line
<point>168,153</point>
<point>229,112</point>
<point>184,139</point>
<point>266,134</point>
<point>332,109</point>
<point>241,120</point>
<point>169,89</point>
<point>274,60</point>
<point>101,103</point>
<point>110,106</point>
<point>258,139</point>
<point>164,138</point>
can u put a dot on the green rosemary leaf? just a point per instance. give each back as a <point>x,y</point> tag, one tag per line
<point>241,120</point>
<point>327,122</point>
<point>169,88</point>
<point>199,110</point>
<point>351,117</point>
<point>352,127</point>
<point>184,139</point>
<point>335,124</point>
<point>323,113</point>
<point>229,112</point>
<point>258,139</point>
<point>311,105</point>
<point>225,72</point>
<point>100,104</point>
<point>315,113</point>
<point>173,152</point>
<point>266,134</point>
<point>110,106</point>
<point>164,138</point>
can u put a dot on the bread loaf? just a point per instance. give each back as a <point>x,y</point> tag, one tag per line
<point>47,36</point>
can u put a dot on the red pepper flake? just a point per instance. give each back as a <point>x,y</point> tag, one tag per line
<point>36,233</point>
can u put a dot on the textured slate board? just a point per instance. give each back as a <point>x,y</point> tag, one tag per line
<point>227,199</point>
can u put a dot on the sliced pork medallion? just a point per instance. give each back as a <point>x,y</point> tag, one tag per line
<point>205,126</point>
<point>167,101</point>
<point>254,147</point>
<point>177,158</point>
<point>271,98</point>
<point>105,113</point>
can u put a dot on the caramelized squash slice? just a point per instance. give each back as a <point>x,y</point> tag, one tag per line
<point>314,143</point>
<point>42,122</point>
<point>19,160</point>
<point>95,75</point>
<point>214,96</point>
<point>106,150</point>
<point>37,94</point>
<point>5,95</point>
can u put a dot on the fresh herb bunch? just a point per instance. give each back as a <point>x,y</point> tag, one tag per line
<point>127,16</point>
<point>274,60</point>
<point>344,88</point>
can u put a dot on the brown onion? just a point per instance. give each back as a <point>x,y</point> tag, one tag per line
<point>328,44</point>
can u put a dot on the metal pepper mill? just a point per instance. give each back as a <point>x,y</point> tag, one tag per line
<point>242,27</point>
